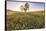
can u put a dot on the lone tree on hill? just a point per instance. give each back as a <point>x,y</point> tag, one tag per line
<point>25,7</point>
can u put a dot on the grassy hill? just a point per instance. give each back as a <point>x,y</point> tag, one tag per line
<point>10,12</point>
<point>18,20</point>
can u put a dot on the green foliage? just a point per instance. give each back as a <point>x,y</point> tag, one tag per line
<point>20,21</point>
<point>27,6</point>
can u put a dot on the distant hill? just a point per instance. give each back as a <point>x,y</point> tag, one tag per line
<point>11,12</point>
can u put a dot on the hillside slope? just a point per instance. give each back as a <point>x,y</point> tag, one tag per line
<point>10,12</point>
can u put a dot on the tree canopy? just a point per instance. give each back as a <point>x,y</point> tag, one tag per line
<point>25,7</point>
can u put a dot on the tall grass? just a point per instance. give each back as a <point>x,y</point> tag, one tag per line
<point>19,21</point>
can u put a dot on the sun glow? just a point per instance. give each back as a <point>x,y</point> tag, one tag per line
<point>15,6</point>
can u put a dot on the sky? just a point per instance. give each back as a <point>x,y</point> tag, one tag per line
<point>15,6</point>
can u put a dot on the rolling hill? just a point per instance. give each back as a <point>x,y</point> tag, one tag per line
<point>11,12</point>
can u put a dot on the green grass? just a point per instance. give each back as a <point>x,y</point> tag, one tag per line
<point>18,21</point>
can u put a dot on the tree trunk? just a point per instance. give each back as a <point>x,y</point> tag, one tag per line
<point>25,13</point>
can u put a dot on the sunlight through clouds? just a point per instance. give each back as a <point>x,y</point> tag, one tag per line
<point>15,6</point>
